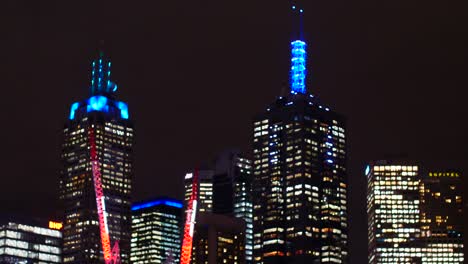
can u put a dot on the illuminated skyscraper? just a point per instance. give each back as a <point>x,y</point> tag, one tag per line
<point>205,189</point>
<point>442,217</point>
<point>156,231</point>
<point>29,242</point>
<point>299,171</point>
<point>393,213</point>
<point>96,178</point>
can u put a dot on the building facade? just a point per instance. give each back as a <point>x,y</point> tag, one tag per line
<point>232,192</point>
<point>156,231</point>
<point>442,217</point>
<point>393,213</point>
<point>205,189</point>
<point>218,239</point>
<point>23,242</point>
<point>101,124</point>
<point>299,177</point>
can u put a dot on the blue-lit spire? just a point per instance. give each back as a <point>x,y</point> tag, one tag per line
<point>298,54</point>
<point>101,83</point>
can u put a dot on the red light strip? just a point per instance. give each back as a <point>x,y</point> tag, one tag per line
<point>186,252</point>
<point>113,256</point>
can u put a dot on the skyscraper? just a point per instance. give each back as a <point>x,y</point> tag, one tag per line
<point>232,192</point>
<point>442,217</point>
<point>205,189</point>
<point>299,171</point>
<point>96,178</point>
<point>218,239</point>
<point>156,231</point>
<point>393,213</point>
<point>29,241</point>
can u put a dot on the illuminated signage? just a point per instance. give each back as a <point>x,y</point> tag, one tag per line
<point>444,174</point>
<point>55,225</point>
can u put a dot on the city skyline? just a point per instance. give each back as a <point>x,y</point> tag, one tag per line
<point>419,125</point>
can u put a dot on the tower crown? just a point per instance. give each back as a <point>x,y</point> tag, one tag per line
<point>101,83</point>
<point>298,55</point>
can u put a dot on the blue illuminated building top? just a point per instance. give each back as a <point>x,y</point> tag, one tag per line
<point>162,201</point>
<point>298,55</point>
<point>298,67</point>
<point>102,92</point>
<point>100,80</point>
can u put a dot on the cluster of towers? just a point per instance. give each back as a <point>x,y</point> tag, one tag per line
<point>286,202</point>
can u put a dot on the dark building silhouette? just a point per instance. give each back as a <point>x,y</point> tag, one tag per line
<point>218,239</point>
<point>442,216</point>
<point>232,192</point>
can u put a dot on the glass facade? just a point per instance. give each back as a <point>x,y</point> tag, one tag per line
<point>114,136</point>
<point>413,218</point>
<point>299,183</point>
<point>393,208</point>
<point>156,231</point>
<point>21,243</point>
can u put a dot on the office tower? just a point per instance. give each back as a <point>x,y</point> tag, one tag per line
<point>29,241</point>
<point>393,213</point>
<point>205,189</point>
<point>97,173</point>
<point>156,231</point>
<point>218,239</point>
<point>442,217</point>
<point>232,192</point>
<point>299,171</point>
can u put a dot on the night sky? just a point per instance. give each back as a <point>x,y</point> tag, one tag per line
<point>194,74</point>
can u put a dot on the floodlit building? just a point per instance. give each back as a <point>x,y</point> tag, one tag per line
<point>156,231</point>
<point>30,241</point>
<point>299,176</point>
<point>97,169</point>
<point>442,217</point>
<point>218,239</point>
<point>393,213</point>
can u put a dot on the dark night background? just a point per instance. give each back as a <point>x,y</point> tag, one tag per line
<point>196,72</point>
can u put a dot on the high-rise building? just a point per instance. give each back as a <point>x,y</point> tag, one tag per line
<point>232,192</point>
<point>442,217</point>
<point>29,241</point>
<point>299,176</point>
<point>393,213</point>
<point>205,189</point>
<point>218,239</point>
<point>156,231</point>
<point>96,178</point>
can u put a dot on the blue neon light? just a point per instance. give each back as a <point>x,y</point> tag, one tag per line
<point>298,67</point>
<point>123,109</point>
<point>97,103</point>
<point>73,108</point>
<point>168,202</point>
